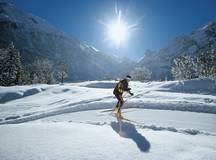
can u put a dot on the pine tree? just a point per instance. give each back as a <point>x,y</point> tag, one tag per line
<point>40,71</point>
<point>62,71</point>
<point>206,63</point>
<point>10,66</point>
<point>141,74</point>
<point>183,68</point>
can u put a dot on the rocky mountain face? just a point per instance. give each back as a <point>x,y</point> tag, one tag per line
<point>35,38</point>
<point>159,62</point>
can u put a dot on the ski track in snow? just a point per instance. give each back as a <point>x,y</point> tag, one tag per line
<point>154,128</point>
<point>75,121</point>
<point>61,99</point>
<point>143,126</point>
<point>139,118</point>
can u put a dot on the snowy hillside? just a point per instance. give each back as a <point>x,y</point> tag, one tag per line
<point>36,38</point>
<point>190,44</point>
<point>164,120</point>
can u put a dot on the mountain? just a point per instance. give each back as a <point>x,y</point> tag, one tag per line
<point>36,38</point>
<point>159,62</point>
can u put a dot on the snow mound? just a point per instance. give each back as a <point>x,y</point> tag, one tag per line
<point>10,96</point>
<point>12,93</point>
<point>205,86</point>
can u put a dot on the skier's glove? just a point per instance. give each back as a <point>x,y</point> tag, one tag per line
<point>131,94</point>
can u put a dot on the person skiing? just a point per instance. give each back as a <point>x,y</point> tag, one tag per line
<point>121,86</point>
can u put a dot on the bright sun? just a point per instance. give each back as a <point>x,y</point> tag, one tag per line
<point>118,32</point>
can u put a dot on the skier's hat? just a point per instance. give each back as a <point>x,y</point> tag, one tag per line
<point>128,77</point>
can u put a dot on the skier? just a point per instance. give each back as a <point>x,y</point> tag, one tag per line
<point>120,87</point>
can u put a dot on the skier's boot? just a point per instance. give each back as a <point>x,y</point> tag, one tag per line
<point>119,115</point>
<point>116,109</point>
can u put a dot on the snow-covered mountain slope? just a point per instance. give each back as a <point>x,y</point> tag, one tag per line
<point>34,37</point>
<point>159,62</point>
<point>74,121</point>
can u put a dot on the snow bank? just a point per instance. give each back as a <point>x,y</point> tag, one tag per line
<point>204,86</point>
<point>15,92</point>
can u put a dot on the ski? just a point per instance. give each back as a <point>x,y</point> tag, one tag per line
<point>108,110</point>
<point>129,120</point>
<point>122,118</point>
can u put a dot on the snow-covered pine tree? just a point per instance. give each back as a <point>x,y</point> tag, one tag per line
<point>10,66</point>
<point>141,73</point>
<point>26,75</point>
<point>3,57</point>
<point>183,68</point>
<point>206,63</point>
<point>41,71</point>
<point>62,71</point>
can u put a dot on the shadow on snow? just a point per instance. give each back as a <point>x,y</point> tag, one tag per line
<point>128,130</point>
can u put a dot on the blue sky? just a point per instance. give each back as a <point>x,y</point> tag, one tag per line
<point>159,20</point>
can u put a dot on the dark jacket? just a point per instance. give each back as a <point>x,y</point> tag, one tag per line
<point>120,87</point>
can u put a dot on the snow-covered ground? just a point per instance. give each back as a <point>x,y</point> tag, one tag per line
<point>164,120</point>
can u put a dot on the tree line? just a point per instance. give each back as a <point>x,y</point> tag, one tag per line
<point>186,67</point>
<point>14,72</point>
<point>202,65</point>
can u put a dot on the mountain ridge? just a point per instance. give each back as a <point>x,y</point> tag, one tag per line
<point>36,38</point>
<point>159,62</point>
